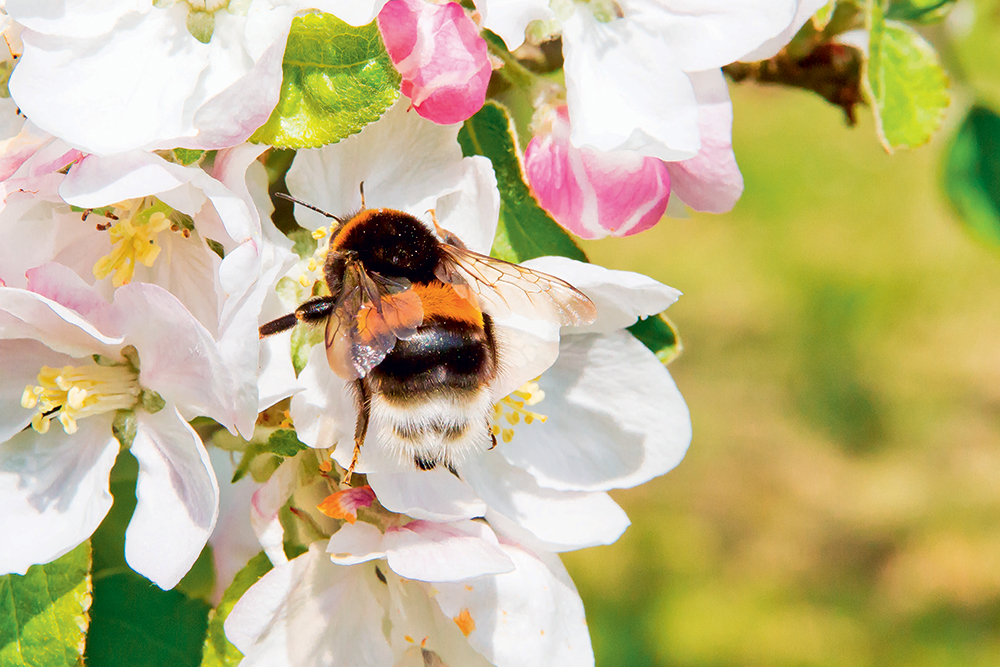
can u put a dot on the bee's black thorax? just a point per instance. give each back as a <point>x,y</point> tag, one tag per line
<point>391,243</point>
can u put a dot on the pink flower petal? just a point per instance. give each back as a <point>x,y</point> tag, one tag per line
<point>711,181</point>
<point>438,51</point>
<point>594,193</point>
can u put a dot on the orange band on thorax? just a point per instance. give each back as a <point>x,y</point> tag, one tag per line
<point>444,301</point>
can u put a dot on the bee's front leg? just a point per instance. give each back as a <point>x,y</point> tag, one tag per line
<point>364,408</point>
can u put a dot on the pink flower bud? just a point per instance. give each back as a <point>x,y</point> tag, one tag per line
<point>438,51</point>
<point>594,193</point>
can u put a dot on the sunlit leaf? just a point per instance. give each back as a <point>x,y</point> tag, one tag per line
<point>219,652</point>
<point>525,231</point>
<point>336,79</point>
<point>43,614</point>
<point>905,82</point>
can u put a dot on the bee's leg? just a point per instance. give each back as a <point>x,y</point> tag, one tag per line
<point>313,310</point>
<point>443,233</point>
<point>493,437</point>
<point>364,408</point>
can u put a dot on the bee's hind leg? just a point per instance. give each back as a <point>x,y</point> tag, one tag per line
<point>364,409</point>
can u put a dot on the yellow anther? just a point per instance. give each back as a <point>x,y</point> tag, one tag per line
<point>319,233</point>
<point>312,264</point>
<point>511,409</point>
<point>133,239</point>
<point>304,280</point>
<point>71,393</point>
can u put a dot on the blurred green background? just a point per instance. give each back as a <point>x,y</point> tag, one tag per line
<point>840,503</point>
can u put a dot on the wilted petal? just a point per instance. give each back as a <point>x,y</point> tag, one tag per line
<point>440,55</point>
<point>595,193</point>
<point>177,498</point>
<point>54,491</point>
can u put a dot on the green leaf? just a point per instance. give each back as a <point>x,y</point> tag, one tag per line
<point>186,156</point>
<point>336,79</point>
<point>43,614</point>
<point>659,335</point>
<point>525,230</point>
<point>136,623</point>
<point>282,443</point>
<point>972,173</point>
<point>921,11</point>
<point>905,82</point>
<point>219,652</point>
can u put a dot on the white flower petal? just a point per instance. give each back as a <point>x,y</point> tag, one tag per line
<point>54,491</point>
<point>705,34</point>
<point>531,617</point>
<point>24,314</point>
<point>770,48</point>
<point>472,212</point>
<point>711,181</point>
<point>145,98</point>
<point>21,359</point>
<point>177,357</point>
<point>295,616</point>
<point>73,18</point>
<point>233,541</point>
<point>324,412</point>
<point>615,418</point>
<point>434,552</point>
<point>62,285</point>
<point>621,297</point>
<point>356,543</point>
<point>406,163</point>
<point>527,348</point>
<point>177,498</point>
<point>561,520</point>
<point>434,495</point>
<point>510,18</point>
<point>626,91</point>
<point>265,504</point>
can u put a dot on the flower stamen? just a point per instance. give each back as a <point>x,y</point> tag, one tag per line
<point>71,393</point>
<point>511,409</point>
<point>133,238</point>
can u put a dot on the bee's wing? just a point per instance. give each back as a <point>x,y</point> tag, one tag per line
<point>503,288</point>
<point>372,312</point>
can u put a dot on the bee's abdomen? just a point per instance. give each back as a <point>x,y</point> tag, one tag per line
<point>442,355</point>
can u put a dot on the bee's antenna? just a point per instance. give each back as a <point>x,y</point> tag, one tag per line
<point>309,206</point>
<point>363,207</point>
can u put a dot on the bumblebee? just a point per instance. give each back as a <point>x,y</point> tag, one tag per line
<point>409,322</point>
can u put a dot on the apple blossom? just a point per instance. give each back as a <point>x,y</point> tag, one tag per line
<point>198,75</point>
<point>86,364</point>
<point>423,590</point>
<point>438,51</point>
<point>594,193</point>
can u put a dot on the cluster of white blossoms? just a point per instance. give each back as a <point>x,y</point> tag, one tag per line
<point>139,258</point>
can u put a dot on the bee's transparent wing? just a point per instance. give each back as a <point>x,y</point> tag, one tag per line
<point>503,288</point>
<point>372,312</point>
